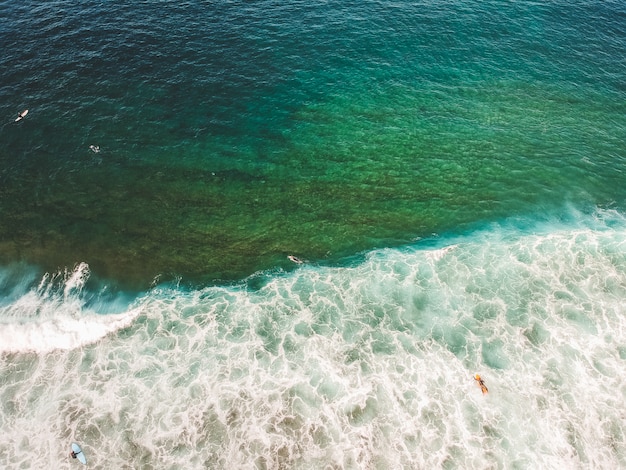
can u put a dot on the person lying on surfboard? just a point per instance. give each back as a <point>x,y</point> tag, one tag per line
<point>77,453</point>
<point>481,384</point>
<point>21,115</point>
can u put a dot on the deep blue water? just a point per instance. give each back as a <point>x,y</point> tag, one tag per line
<point>232,133</point>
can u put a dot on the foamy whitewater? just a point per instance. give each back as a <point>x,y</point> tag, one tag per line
<point>367,366</point>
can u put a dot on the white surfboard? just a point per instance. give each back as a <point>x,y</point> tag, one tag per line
<point>295,259</point>
<point>78,452</point>
<point>21,115</point>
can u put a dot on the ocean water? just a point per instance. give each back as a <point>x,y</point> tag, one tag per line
<point>451,174</point>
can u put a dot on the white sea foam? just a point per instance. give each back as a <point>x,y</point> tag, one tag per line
<point>61,332</point>
<point>55,314</point>
<point>369,366</point>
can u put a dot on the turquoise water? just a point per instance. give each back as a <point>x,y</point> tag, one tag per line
<point>450,173</point>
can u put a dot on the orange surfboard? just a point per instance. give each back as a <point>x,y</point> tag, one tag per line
<point>481,383</point>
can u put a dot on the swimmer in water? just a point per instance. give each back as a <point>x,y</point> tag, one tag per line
<point>94,148</point>
<point>481,384</point>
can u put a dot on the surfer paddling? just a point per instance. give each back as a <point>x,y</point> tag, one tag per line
<point>481,383</point>
<point>21,115</point>
<point>295,260</point>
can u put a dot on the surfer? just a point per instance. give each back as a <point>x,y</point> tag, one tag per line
<point>94,148</point>
<point>21,115</point>
<point>294,259</point>
<point>481,383</point>
<point>77,453</point>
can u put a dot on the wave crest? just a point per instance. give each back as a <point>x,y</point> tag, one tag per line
<point>57,312</point>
